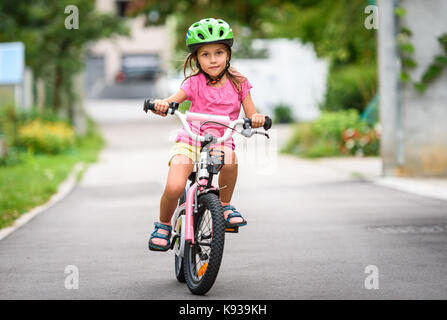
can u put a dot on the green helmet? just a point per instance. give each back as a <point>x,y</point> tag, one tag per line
<point>208,31</point>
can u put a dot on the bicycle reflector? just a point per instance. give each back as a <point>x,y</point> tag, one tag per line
<point>216,160</point>
<point>202,269</point>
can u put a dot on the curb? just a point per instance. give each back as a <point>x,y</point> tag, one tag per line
<point>409,185</point>
<point>63,190</point>
<point>431,188</point>
<point>420,188</point>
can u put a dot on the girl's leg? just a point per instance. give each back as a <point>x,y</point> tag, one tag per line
<point>228,177</point>
<point>181,167</point>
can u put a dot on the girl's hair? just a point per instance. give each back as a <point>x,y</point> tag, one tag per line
<point>192,63</point>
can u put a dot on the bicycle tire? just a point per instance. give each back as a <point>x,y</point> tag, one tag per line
<point>179,270</point>
<point>209,209</point>
<point>178,261</point>
<point>179,265</point>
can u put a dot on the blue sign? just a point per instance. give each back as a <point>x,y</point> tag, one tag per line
<point>12,62</point>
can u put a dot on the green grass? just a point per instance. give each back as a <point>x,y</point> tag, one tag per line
<point>33,181</point>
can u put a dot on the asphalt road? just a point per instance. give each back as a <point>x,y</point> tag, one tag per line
<point>312,231</point>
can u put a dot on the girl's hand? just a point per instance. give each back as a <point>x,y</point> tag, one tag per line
<point>257,120</point>
<point>161,106</point>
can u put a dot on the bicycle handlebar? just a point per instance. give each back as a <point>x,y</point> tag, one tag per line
<point>149,105</point>
<point>173,106</point>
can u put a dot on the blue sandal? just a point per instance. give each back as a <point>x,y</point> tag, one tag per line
<point>234,214</point>
<point>156,235</point>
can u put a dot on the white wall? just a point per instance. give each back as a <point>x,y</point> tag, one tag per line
<point>414,135</point>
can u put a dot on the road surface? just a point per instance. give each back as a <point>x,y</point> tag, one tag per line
<point>313,232</point>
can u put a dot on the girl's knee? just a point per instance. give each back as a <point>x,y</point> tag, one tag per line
<point>229,168</point>
<point>180,160</point>
<point>230,156</point>
<point>177,177</point>
<point>230,164</point>
<point>174,190</point>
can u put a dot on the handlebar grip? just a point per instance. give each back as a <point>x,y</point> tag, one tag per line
<point>267,123</point>
<point>149,105</point>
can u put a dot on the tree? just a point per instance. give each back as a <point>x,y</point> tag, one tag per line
<point>54,52</point>
<point>335,28</point>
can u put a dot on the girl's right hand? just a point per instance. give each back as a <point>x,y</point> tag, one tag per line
<point>161,106</point>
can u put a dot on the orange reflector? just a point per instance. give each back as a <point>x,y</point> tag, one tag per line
<point>202,269</point>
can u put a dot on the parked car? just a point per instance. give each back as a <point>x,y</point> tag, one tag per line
<point>139,68</point>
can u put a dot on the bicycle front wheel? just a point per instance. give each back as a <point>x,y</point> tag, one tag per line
<point>202,259</point>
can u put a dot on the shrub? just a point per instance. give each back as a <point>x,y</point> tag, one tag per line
<point>7,122</point>
<point>350,87</point>
<point>184,106</point>
<point>334,134</point>
<point>9,155</point>
<point>46,137</point>
<point>360,143</point>
<point>12,144</point>
<point>282,114</point>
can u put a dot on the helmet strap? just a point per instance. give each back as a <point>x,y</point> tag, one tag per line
<point>211,80</point>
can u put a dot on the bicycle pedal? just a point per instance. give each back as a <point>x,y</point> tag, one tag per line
<point>232,230</point>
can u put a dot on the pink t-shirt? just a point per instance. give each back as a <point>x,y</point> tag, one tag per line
<point>218,101</point>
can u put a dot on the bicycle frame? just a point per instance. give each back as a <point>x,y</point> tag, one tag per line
<point>191,200</point>
<point>189,217</point>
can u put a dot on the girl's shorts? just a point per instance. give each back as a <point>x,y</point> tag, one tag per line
<point>188,150</point>
<point>185,149</point>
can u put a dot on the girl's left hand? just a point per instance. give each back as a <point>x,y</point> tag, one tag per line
<point>257,120</point>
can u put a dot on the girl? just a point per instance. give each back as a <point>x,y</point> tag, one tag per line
<point>213,88</point>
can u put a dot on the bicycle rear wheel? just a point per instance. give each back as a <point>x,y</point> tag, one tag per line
<point>203,258</point>
<point>178,262</point>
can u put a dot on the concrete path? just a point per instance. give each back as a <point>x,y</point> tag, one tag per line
<point>313,230</point>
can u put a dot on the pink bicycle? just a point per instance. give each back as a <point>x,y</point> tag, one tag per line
<point>198,234</point>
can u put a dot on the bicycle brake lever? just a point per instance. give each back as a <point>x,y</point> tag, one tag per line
<point>261,132</point>
<point>250,132</point>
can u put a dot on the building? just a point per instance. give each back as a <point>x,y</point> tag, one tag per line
<point>107,58</point>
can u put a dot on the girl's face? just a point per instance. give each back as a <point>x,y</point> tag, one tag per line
<point>213,58</point>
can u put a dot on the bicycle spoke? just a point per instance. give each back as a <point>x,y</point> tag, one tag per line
<point>202,248</point>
